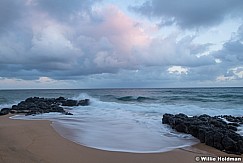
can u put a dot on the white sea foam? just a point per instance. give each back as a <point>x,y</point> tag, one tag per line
<point>127,127</point>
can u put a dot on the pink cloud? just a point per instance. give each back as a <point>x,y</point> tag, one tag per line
<point>121,30</point>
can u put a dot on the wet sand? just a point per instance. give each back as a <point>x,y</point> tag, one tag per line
<point>25,141</point>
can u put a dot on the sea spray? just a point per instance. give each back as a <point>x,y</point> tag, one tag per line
<point>135,125</point>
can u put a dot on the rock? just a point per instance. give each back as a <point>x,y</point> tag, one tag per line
<point>233,119</point>
<point>56,108</point>
<point>37,105</point>
<point>193,130</point>
<point>13,111</point>
<point>181,128</point>
<point>217,137</point>
<point>166,117</point>
<point>4,111</point>
<point>209,138</point>
<point>68,113</point>
<point>218,122</point>
<point>31,99</point>
<point>14,107</point>
<point>84,102</point>
<point>240,146</point>
<point>60,98</point>
<point>232,127</point>
<point>213,131</point>
<point>234,136</point>
<point>229,144</point>
<point>204,117</point>
<point>70,103</point>
<point>201,135</point>
<point>234,124</point>
<point>181,116</point>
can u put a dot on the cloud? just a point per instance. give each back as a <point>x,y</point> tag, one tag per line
<point>232,74</point>
<point>60,50</point>
<point>81,42</point>
<point>178,70</point>
<point>64,10</point>
<point>172,51</point>
<point>113,38</point>
<point>190,13</point>
<point>231,53</point>
<point>10,12</point>
<point>230,58</point>
<point>50,47</point>
<point>42,82</point>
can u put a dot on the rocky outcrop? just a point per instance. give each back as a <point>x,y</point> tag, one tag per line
<point>37,105</point>
<point>84,102</point>
<point>4,111</point>
<point>218,132</point>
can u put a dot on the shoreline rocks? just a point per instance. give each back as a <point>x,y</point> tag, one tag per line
<point>4,111</point>
<point>37,105</point>
<point>218,131</point>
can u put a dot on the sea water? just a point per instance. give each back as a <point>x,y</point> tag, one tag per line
<point>130,120</point>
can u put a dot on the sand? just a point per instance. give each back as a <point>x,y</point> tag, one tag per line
<point>23,141</point>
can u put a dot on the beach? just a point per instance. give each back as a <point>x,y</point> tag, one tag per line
<point>37,141</point>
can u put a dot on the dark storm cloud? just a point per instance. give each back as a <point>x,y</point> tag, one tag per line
<point>190,13</point>
<point>33,44</point>
<point>10,11</point>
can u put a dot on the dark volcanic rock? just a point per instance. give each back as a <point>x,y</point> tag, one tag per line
<point>209,138</point>
<point>213,131</point>
<point>60,99</point>
<point>181,128</point>
<point>201,135</point>
<point>84,102</point>
<point>217,139</point>
<point>4,111</point>
<point>37,105</point>
<point>70,103</point>
<point>166,118</point>
<point>193,130</point>
<point>68,113</point>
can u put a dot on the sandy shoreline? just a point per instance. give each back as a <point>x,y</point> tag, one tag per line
<point>36,141</point>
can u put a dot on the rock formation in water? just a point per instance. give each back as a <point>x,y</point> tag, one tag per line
<point>218,131</point>
<point>37,105</point>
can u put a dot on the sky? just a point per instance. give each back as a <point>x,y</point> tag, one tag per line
<point>120,43</point>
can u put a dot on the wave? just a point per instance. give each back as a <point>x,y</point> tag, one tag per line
<point>125,126</point>
<point>133,98</point>
<point>231,96</point>
<point>3,100</point>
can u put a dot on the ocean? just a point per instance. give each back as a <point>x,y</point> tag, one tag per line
<point>129,120</point>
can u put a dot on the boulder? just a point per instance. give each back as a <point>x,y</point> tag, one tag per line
<point>84,102</point>
<point>201,135</point>
<point>60,99</point>
<point>229,145</point>
<point>68,113</point>
<point>193,130</point>
<point>4,111</point>
<point>70,103</point>
<point>166,117</point>
<point>217,137</point>
<point>181,128</point>
<point>209,139</point>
